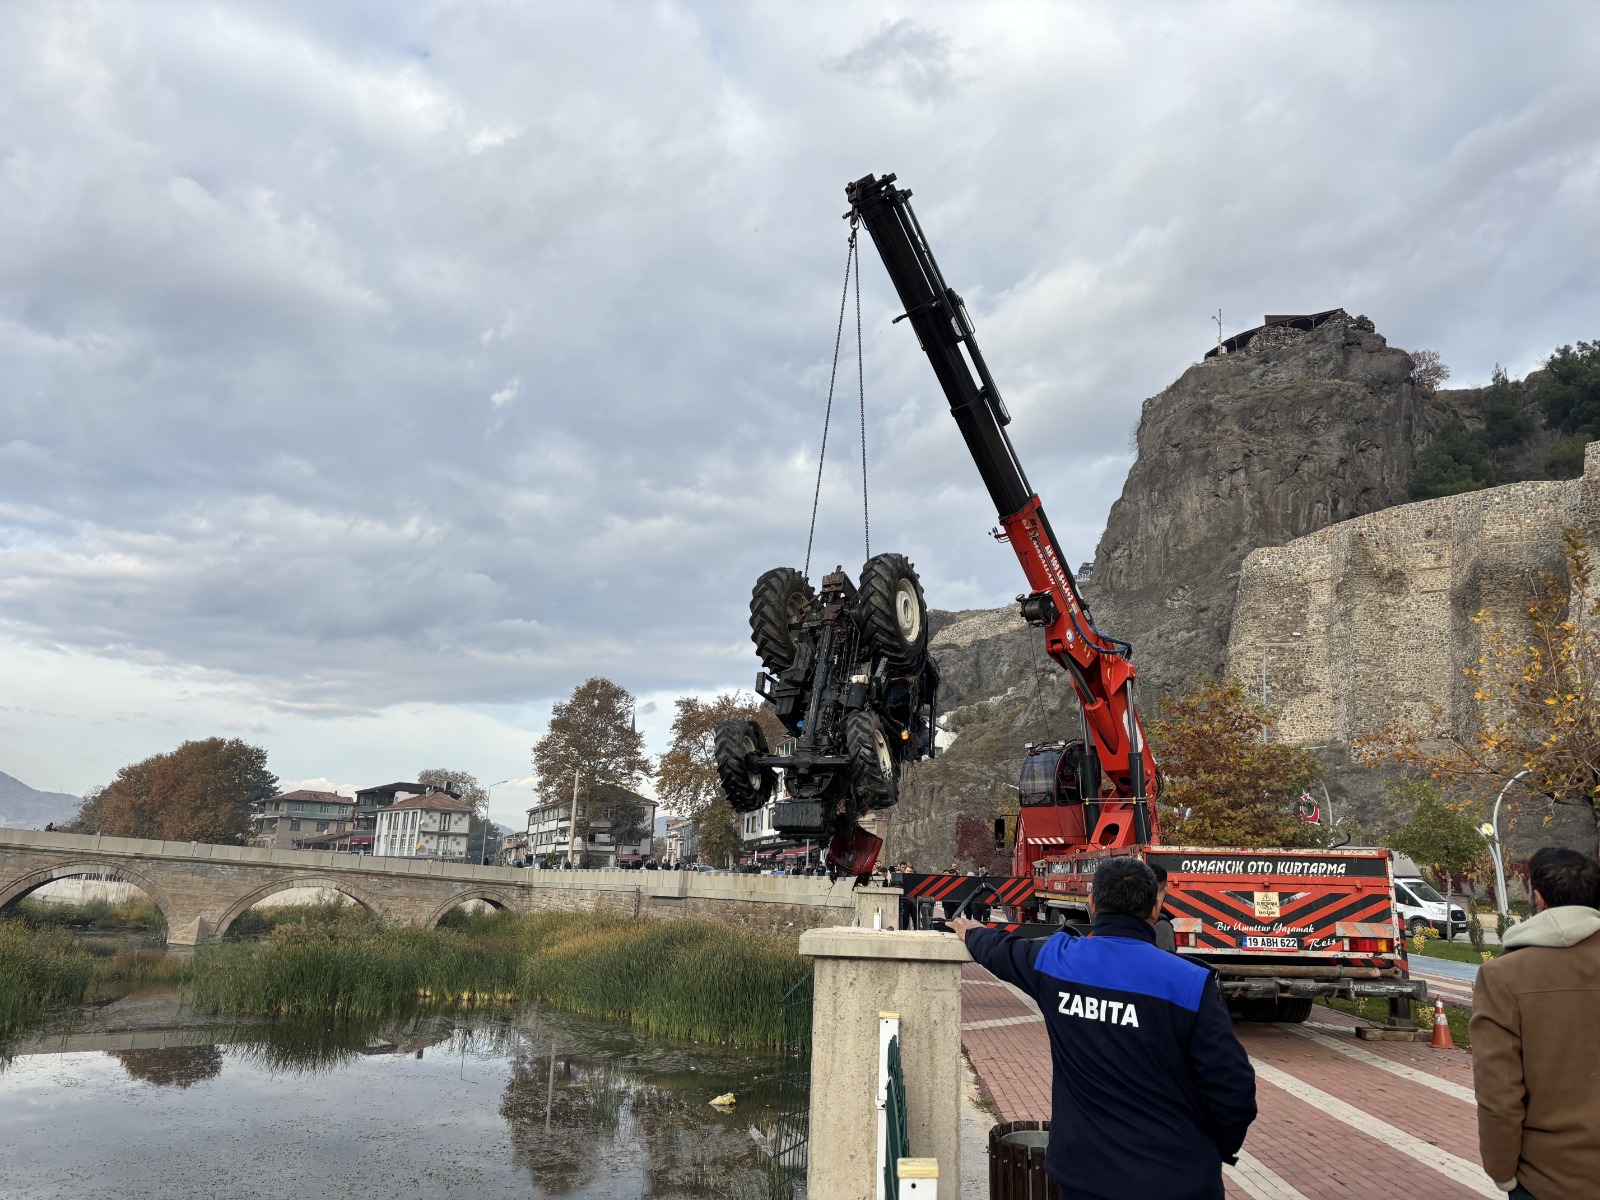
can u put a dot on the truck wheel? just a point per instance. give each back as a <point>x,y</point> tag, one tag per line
<point>1255,1008</point>
<point>1294,1010</point>
<point>892,611</point>
<point>778,604</point>
<point>734,743</point>
<point>873,766</point>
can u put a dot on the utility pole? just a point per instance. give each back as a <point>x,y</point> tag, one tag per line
<point>1218,320</point>
<point>572,826</point>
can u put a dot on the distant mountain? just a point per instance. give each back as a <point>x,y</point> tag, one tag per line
<point>23,807</point>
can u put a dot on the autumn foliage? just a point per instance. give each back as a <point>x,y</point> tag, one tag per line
<point>1241,788</point>
<point>200,792</point>
<point>686,779</point>
<point>1536,697</point>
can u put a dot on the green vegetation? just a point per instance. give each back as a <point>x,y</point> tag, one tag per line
<point>38,968</point>
<point>1438,834</point>
<point>1456,951</point>
<point>1565,399</point>
<point>131,916</point>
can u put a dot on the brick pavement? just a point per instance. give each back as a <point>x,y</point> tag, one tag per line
<point>1354,1130</point>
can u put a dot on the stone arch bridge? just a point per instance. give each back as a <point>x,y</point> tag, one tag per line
<point>201,888</point>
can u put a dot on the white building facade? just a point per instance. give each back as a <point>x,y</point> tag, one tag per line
<point>432,826</point>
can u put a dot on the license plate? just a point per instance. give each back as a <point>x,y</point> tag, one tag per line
<point>1252,942</point>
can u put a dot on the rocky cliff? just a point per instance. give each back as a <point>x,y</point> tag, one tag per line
<point>1292,432</point>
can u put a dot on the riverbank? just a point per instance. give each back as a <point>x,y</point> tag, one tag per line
<point>690,980</point>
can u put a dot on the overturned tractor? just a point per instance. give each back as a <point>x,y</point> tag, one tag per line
<point>848,674</point>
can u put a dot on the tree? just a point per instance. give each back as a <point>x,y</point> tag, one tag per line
<point>200,792</point>
<point>1570,389</point>
<point>686,779</point>
<point>1438,834</point>
<point>591,736</point>
<point>1215,760</point>
<point>1428,370</point>
<point>1457,460</point>
<point>1536,698</point>
<point>457,783</point>
<point>1507,424</point>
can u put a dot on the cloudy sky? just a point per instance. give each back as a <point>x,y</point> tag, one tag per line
<point>373,373</point>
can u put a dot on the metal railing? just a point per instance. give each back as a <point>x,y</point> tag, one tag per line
<point>792,1135</point>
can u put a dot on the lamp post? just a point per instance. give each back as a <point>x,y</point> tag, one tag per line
<point>488,796</point>
<point>1265,646</point>
<point>1491,830</point>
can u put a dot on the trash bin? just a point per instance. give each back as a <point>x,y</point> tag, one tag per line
<point>1016,1161</point>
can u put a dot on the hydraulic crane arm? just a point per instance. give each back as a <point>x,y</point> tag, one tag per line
<point>1101,668</point>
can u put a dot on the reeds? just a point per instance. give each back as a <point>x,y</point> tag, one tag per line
<point>698,980</point>
<point>38,968</point>
<point>137,915</point>
<point>256,922</point>
<point>353,969</point>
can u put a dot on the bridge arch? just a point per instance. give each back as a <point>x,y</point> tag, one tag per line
<point>494,897</point>
<point>250,899</point>
<point>19,889</point>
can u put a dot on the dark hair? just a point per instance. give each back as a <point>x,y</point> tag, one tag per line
<point>1565,877</point>
<point>1124,886</point>
<point>1159,872</point>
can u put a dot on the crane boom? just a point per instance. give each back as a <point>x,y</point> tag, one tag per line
<point>1100,667</point>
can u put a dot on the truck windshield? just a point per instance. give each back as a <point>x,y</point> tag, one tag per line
<point>1425,893</point>
<point>1037,784</point>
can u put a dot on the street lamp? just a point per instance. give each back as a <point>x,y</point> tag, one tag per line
<point>1491,830</point>
<point>1265,646</point>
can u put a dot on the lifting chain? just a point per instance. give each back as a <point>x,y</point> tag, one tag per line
<point>852,273</point>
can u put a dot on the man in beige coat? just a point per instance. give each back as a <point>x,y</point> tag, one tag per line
<point>1536,1039</point>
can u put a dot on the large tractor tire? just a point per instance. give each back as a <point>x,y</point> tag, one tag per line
<point>874,766</point>
<point>892,611</point>
<point>778,604</point>
<point>746,786</point>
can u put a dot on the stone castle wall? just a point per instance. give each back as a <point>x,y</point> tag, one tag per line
<point>1383,604</point>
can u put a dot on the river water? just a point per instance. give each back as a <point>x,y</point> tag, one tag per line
<point>141,1098</point>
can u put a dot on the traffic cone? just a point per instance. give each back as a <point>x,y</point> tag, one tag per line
<point>1441,1027</point>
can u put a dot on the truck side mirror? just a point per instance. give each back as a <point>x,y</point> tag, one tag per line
<point>1000,833</point>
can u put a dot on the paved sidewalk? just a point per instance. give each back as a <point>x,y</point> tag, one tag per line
<point>1340,1118</point>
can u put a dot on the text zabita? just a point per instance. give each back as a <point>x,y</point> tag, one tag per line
<point>1092,1008</point>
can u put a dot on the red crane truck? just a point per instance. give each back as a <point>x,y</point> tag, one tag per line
<point>1280,927</point>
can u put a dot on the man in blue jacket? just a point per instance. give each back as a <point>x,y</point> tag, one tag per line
<point>1151,1090</point>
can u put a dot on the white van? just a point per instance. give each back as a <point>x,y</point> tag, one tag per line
<point>1420,905</point>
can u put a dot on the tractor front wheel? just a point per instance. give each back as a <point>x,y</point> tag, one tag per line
<point>874,767</point>
<point>746,785</point>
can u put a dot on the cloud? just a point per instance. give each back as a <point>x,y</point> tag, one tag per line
<point>264,265</point>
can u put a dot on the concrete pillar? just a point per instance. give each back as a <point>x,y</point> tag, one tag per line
<point>877,907</point>
<point>860,973</point>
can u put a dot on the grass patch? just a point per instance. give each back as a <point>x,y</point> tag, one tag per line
<point>1376,1010</point>
<point>38,968</point>
<point>1455,951</point>
<point>139,915</point>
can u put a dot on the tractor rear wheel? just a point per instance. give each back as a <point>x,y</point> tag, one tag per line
<point>778,604</point>
<point>746,785</point>
<point>874,767</point>
<point>892,611</point>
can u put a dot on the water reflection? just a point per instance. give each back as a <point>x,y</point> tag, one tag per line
<point>495,1103</point>
<point>171,1066</point>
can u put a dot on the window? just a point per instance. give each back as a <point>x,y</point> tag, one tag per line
<point>322,827</point>
<point>294,826</point>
